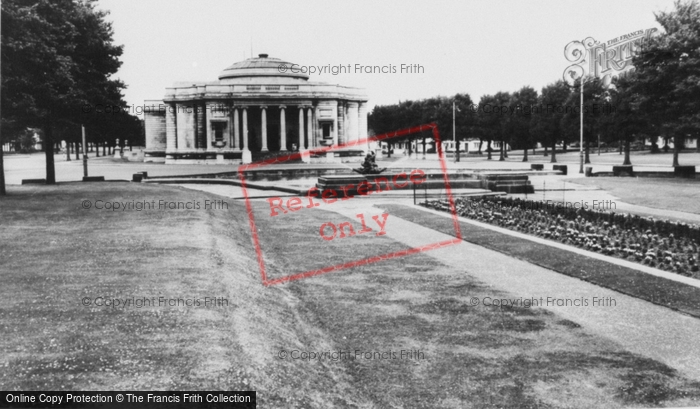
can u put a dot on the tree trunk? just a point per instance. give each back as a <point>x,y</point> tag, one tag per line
<point>676,149</point>
<point>104,148</point>
<point>525,155</point>
<point>67,151</point>
<point>587,153</point>
<point>564,146</point>
<point>627,160</point>
<point>501,157</point>
<point>3,192</point>
<point>545,150</point>
<point>77,150</point>
<point>488,149</point>
<point>554,152</point>
<point>621,143</point>
<point>457,152</point>
<point>48,150</point>
<point>97,149</point>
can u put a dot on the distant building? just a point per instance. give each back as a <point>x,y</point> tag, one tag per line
<point>258,105</point>
<point>688,142</point>
<point>472,146</point>
<point>465,146</point>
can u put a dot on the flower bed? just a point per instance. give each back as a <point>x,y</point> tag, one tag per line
<point>662,244</point>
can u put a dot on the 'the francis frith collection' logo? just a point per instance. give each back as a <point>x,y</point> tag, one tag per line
<point>591,58</point>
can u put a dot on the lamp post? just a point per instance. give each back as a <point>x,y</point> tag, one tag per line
<point>454,132</point>
<point>581,143</point>
<point>576,52</point>
<point>579,76</point>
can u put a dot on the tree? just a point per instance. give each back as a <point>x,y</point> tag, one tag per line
<point>668,72</point>
<point>624,122</point>
<point>488,123</point>
<point>547,121</point>
<point>518,122</point>
<point>408,114</point>
<point>464,118</point>
<point>501,102</point>
<point>3,192</point>
<point>57,57</point>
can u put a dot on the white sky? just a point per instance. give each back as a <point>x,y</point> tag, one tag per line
<point>477,47</point>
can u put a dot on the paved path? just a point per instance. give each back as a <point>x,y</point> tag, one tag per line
<point>638,326</point>
<point>32,166</point>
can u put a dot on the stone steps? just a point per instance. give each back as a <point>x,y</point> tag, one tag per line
<point>509,182</point>
<point>493,182</point>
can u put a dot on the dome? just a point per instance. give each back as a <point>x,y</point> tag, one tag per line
<point>262,66</point>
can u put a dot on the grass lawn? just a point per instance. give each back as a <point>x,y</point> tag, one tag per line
<point>515,357</point>
<point>657,290</point>
<point>682,195</point>
<point>54,254</point>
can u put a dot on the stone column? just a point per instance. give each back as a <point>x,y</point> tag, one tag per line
<point>195,110</point>
<point>317,129</point>
<point>229,111</point>
<point>309,127</point>
<point>236,132</point>
<point>185,126</point>
<point>352,122</point>
<point>263,114</point>
<point>283,129</point>
<point>362,121</point>
<point>201,128</point>
<point>302,144</point>
<point>247,157</point>
<point>335,130</point>
<point>170,128</point>
<point>209,135</point>
<point>340,123</point>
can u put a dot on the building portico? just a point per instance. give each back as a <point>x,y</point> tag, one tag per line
<point>253,110</point>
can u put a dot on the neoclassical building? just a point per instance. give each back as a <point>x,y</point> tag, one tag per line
<point>258,107</point>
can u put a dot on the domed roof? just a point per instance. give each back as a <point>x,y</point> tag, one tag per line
<point>262,66</point>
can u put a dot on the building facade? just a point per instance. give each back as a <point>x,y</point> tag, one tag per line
<point>257,108</point>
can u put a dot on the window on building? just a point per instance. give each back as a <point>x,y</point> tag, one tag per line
<point>219,128</point>
<point>327,131</point>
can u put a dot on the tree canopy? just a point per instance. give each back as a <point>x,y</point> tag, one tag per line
<point>58,56</point>
<point>667,74</point>
<point>660,97</point>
